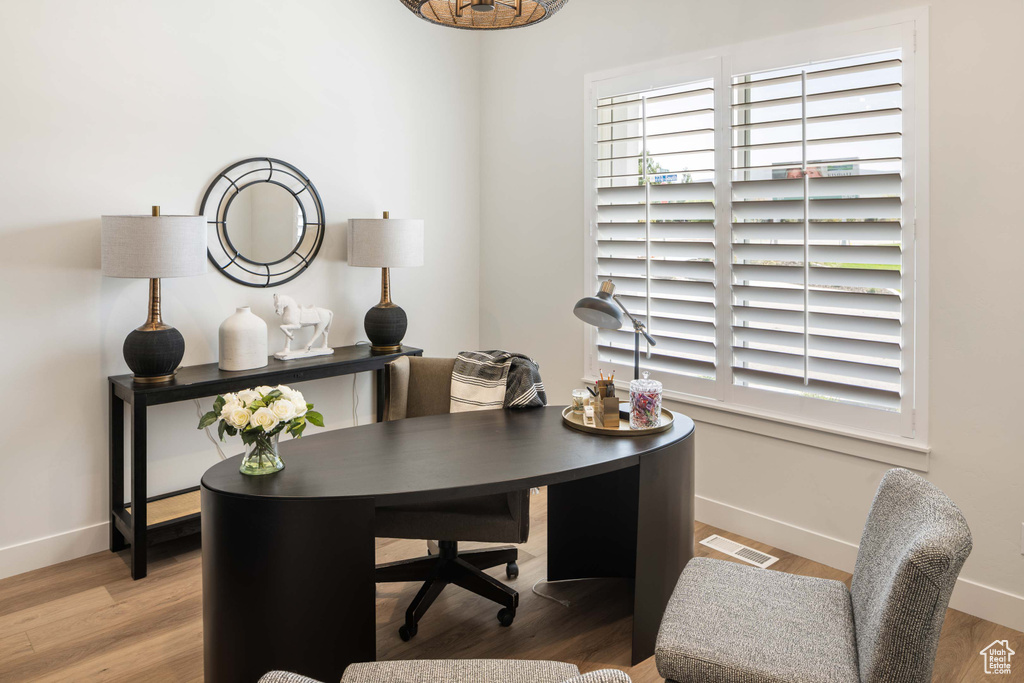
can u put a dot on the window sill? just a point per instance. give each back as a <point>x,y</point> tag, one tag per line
<point>880,448</point>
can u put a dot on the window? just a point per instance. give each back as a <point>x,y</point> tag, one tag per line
<point>656,222</point>
<point>757,209</point>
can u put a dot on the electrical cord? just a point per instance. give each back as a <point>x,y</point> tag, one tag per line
<point>355,403</point>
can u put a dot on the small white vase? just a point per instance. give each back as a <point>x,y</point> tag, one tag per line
<point>243,341</point>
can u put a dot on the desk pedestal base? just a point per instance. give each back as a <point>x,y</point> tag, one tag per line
<point>287,584</point>
<point>635,523</point>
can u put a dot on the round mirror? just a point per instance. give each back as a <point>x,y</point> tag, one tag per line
<point>264,222</point>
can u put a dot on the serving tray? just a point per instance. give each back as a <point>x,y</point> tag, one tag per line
<point>575,420</point>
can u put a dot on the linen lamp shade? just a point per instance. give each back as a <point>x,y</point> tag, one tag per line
<point>153,246</point>
<point>385,242</point>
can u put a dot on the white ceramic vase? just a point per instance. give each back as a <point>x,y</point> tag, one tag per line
<point>243,341</point>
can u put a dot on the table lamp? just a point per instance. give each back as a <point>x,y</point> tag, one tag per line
<point>153,247</point>
<point>385,243</point>
<point>606,311</point>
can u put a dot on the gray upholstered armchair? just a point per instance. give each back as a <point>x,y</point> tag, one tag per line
<point>729,622</point>
<point>461,671</point>
<point>418,387</point>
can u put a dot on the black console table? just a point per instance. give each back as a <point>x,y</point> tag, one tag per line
<point>146,520</point>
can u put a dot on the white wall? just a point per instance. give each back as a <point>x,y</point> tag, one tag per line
<point>109,107</point>
<point>804,499</point>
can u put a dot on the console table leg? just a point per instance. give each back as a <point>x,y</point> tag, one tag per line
<point>117,539</point>
<point>139,494</point>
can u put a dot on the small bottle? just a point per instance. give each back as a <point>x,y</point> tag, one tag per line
<point>644,402</point>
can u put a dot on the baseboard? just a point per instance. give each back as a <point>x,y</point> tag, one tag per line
<point>969,596</point>
<point>42,552</point>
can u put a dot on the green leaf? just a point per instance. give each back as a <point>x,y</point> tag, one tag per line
<point>309,406</point>
<point>221,428</point>
<point>256,405</point>
<point>269,398</point>
<point>249,437</point>
<point>218,405</point>
<point>297,432</point>
<point>315,418</point>
<point>230,430</point>
<point>207,419</point>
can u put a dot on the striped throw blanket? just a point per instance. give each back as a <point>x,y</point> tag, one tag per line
<point>486,380</point>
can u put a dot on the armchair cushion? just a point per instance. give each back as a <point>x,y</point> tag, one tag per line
<point>524,671</point>
<point>460,671</point>
<point>285,677</point>
<point>729,623</point>
<point>602,676</point>
<point>915,541</point>
<point>418,387</point>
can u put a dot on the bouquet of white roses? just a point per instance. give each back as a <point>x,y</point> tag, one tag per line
<point>258,413</point>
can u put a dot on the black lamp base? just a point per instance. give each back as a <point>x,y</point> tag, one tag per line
<point>154,354</point>
<point>385,326</point>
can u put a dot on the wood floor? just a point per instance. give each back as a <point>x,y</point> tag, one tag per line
<point>86,620</point>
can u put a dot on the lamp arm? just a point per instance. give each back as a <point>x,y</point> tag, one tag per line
<point>638,326</point>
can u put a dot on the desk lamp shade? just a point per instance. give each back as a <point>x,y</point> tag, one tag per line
<point>385,243</point>
<point>606,311</point>
<point>601,310</point>
<point>153,247</point>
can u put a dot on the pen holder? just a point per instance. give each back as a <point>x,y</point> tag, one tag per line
<point>606,411</point>
<point>605,388</point>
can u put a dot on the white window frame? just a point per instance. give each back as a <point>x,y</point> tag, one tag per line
<point>736,405</point>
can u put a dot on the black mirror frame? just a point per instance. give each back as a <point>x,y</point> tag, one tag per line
<point>226,185</point>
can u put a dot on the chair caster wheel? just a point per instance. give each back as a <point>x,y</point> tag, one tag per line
<point>406,633</point>
<point>512,570</point>
<point>506,615</point>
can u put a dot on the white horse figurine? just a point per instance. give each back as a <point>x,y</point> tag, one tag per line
<point>296,317</point>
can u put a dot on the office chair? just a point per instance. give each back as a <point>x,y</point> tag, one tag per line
<point>417,387</point>
<point>729,622</point>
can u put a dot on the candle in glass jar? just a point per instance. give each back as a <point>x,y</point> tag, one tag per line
<point>579,396</point>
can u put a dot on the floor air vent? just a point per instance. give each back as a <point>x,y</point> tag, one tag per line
<point>739,551</point>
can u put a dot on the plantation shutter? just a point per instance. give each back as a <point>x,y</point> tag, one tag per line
<point>655,223</point>
<point>817,231</point>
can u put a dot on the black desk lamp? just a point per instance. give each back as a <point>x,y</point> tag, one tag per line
<point>600,311</point>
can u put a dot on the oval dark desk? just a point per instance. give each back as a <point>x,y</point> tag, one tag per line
<point>288,558</point>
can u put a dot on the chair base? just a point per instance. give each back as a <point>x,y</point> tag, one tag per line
<point>463,569</point>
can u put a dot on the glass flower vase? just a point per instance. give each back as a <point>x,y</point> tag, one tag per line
<point>262,456</point>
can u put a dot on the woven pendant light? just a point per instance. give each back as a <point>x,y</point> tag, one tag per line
<point>484,14</point>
